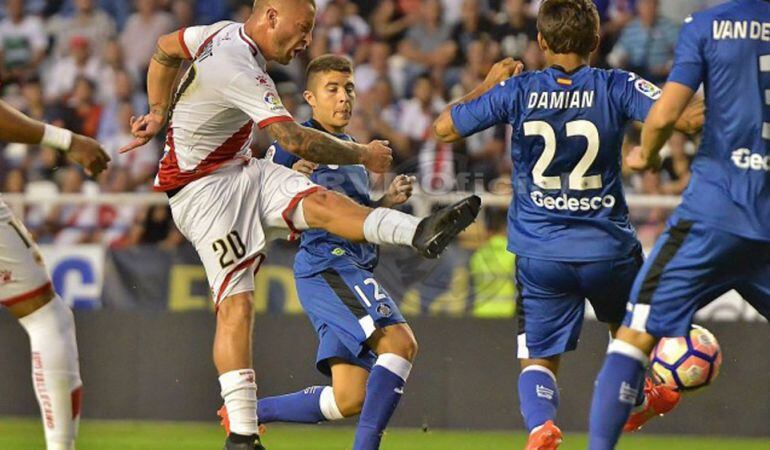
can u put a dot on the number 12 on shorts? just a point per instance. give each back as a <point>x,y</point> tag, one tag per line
<point>378,294</point>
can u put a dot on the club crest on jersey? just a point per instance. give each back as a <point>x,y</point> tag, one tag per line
<point>273,101</point>
<point>384,310</point>
<point>647,88</point>
<point>6,276</point>
<point>262,80</point>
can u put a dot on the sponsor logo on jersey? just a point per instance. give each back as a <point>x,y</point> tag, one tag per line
<point>273,101</point>
<point>744,159</point>
<point>338,252</point>
<point>384,310</point>
<point>566,203</point>
<point>648,89</point>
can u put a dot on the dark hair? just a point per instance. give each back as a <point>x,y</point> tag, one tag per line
<point>569,26</point>
<point>328,63</point>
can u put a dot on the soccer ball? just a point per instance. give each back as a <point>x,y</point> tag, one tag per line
<point>687,363</point>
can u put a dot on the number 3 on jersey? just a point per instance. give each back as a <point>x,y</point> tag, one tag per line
<point>577,179</point>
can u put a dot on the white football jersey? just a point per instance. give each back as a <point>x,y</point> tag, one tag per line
<point>225,91</point>
<point>5,211</point>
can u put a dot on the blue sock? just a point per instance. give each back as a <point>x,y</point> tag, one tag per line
<point>300,407</point>
<point>538,396</point>
<point>383,392</point>
<point>616,391</point>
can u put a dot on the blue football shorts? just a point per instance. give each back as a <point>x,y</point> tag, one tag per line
<point>691,265</point>
<point>552,295</point>
<point>346,304</point>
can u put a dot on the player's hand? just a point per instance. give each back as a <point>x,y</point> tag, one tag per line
<point>143,129</point>
<point>503,70</point>
<point>636,160</point>
<point>377,156</point>
<point>89,154</point>
<point>399,190</point>
<point>305,167</point>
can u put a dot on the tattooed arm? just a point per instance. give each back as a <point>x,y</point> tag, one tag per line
<point>163,71</point>
<point>323,148</point>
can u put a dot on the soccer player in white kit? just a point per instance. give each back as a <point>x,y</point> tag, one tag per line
<point>26,291</point>
<point>229,204</point>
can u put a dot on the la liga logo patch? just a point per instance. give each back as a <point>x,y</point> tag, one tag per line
<point>273,101</point>
<point>648,89</point>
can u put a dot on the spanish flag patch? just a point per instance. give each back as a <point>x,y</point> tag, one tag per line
<point>564,81</point>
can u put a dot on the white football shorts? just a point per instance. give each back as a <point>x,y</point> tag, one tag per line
<point>22,272</point>
<point>230,215</point>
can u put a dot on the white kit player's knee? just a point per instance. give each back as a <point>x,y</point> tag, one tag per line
<point>55,371</point>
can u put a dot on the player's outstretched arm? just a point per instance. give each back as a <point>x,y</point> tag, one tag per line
<point>163,70</point>
<point>444,127</point>
<point>16,127</point>
<point>660,124</point>
<point>323,148</point>
<point>398,193</point>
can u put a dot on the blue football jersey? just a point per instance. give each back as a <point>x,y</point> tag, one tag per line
<point>727,49</point>
<point>319,249</point>
<point>568,128</point>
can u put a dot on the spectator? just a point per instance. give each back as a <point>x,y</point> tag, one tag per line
<point>340,33</point>
<point>80,63</point>
<point>517,35</point>
<point>89,22</point>
<point>647,44</point>
<point>184,13</point>
<point>123,91</point>
<point>72,223</point>
<point>141,33</point>
<point>88,111</point>
<point>474,25</point>
<point>375,67</point>
<point>391,20</point>
<point>427,46</point>
<point>491,268</point>
<point>23,44</point>
<point>381,114</point>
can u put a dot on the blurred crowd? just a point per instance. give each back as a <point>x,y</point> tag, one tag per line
<point>81,64</point>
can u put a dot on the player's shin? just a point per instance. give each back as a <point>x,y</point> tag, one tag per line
<point>615,393</point>
<point>538,396</point>
<point>55,371</point>
<point>383,392</point>
<point>311,405</point>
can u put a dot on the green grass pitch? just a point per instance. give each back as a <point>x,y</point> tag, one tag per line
<point>26,434</point>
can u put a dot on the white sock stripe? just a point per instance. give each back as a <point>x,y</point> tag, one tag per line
<point>328,405</point>
<point>395,364</point>
<point>624,348</point>
<point>522,352</point>
<point>539,368</point>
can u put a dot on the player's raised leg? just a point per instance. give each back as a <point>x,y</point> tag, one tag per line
<point>50,325</point>
<point>339,215</point>
<point>396,348</point>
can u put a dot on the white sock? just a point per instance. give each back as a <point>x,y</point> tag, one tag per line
<point>388,226</point>
<point>239,391</point>
<point>396,364</point>
<point>328,405</point>
<point>55,371</point>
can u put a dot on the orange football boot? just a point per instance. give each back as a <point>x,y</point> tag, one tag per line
<point>658,400</point>
<point>547,437</point>
<point>224,421</point>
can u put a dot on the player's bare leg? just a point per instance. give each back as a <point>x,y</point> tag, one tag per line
<point>233,359</point>
<point>539,399</point>
<point>396,348</point>
<point>339,215</point>
<point>55,370</point>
